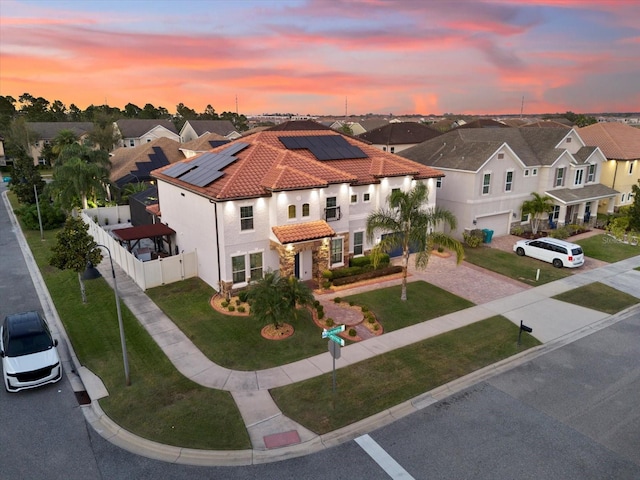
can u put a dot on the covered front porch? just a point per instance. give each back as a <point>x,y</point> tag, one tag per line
<point>579,206</point>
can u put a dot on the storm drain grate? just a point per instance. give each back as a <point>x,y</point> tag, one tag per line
<point>83,397</point>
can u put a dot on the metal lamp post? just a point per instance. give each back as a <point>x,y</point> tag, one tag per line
<point>91,273</point>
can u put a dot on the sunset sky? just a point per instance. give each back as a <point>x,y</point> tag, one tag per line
<point>308,56</point>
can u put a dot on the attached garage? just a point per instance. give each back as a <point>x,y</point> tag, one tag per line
<point>499,223</point>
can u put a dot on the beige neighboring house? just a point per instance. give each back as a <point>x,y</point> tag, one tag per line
<point>490,172</point>
<point>134,132</point>
<point>202,144</point>
<point>620,143</point>
<point>193,129</point>
<point>47,131</point>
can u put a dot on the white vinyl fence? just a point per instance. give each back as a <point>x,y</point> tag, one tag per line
<point>149,274</point>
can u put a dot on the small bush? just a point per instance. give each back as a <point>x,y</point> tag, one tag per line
<point>329,322</point>
<point>364,309</point>
<point>241,309</point>
<point>560,233</point>
<point>352,332</point>
<point>440,249</point>
<point>316,304</point>
<point>238,302</point>
<point>337,300</point>
<point>243,295</point>
<point>320,315</point>
<point>326,285</point>
<point>231,308</point>
<point>371,319</point>
<point>471,240</point>
<point>352,303</point>
<point>224,304</point>
<point>328,274</point>
<point>517,230</point>
<point>376,327</point>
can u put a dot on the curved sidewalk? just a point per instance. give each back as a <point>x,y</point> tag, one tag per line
<point>274,436</point>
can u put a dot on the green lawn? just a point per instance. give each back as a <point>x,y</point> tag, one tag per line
<point>424,302</point>
<point>369,387</point>
<point>187,304</point>
<point>599,296</point>
<point>160,404</point>
<point>607,249</point>
<point>523,269</point>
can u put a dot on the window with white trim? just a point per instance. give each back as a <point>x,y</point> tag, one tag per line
<point>336,256</point>
<point>486,183</point>
<point>366,197</point>
<point>332,211</point>
<point>292,212</point>
<point>393,149</point>
<point>238,270</point>
<point>246,218</point>
<point>577,179</point>
<point>591,173</point>
<point>526,172</point>
<point>358,243</point>
<point>534,172</point>
<point>500,156</point>
<point>439,182</point>
<point>556,212</point>
<point>132,142</point>
<point>255,266</point>
<point>559,177</point>
<point>354,198</point>
<point>508,183</point>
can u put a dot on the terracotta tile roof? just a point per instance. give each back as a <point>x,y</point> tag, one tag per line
<point>301,232</point>
<point>616,140</point>
<point>154,209</point>
<point>266,165</point>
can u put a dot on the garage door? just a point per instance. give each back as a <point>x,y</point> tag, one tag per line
<point>498,223</point>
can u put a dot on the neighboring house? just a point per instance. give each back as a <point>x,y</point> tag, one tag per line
<point>47,131</point>
<point>395,137</point>
<point>490,172</point>
<point>193,129</point>
<point>293,198</point>
<point>134,132</point>
<point>547,124</point>
<point>202,144</point>
<point>620,143</point>
<point>483,123</point>
<point>134,165</point>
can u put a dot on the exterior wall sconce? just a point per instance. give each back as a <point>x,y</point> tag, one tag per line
<point>475,222</point>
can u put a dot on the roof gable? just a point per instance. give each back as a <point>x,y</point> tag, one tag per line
<point>136,127</point>
<point>202,127</point>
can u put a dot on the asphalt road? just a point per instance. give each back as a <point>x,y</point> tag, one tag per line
<point>570,414</point>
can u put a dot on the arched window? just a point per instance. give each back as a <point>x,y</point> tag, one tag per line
<point>292,211</point>
<point>305,209</point>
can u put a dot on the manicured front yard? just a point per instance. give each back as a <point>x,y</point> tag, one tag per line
<point>599,296</point>
<point>523,269</point>
<point>608,249</point>
<point>371,386</point>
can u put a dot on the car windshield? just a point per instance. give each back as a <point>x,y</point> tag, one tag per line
<point>28,344</point>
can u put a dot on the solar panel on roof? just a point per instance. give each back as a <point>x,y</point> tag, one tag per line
<point>207,167</point>
<point>324,147</point>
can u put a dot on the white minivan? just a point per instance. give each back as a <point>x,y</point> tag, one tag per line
<point>558,252</point>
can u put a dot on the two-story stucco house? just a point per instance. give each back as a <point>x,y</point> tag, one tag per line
<point>620,143</point>
<point>46,132</point>
<point>134,131</point>
<point>491,172</point>
<point>398,136</point>
<point>293,198</point>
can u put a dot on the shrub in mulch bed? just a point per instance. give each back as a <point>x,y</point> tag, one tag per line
<point>381,272</point>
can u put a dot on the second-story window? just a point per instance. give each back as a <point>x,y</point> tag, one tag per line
<point>508,183</point>
<point>305,209</point>
<point>578,177</point>
<point>366,197</point>
<point>486,183</point>
<point>292,211</point>
<point>246,218</point>
<point>332,212</point>
<point>439,182</point>
<point>559,177</point>
<point>630,168</point>
<point>591,173</point>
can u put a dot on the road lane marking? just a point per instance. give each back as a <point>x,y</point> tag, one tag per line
<point>382,458</point>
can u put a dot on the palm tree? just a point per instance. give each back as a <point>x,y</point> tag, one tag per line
<point>274,299</point>
<point>410,225</point>
<point>62,140</point>
<point>535,207</point>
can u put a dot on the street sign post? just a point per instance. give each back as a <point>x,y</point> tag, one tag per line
<point>335,342</point>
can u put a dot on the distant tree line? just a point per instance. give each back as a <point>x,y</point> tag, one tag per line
<point>39,109</point>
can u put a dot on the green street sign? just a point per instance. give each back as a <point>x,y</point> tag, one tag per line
<point>332,334</point>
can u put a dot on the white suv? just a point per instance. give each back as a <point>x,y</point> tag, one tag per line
<point>558,252</point>
<point>29,352</point>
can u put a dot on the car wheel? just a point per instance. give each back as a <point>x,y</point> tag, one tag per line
<point>520,251</point>
<point>557,263</point>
